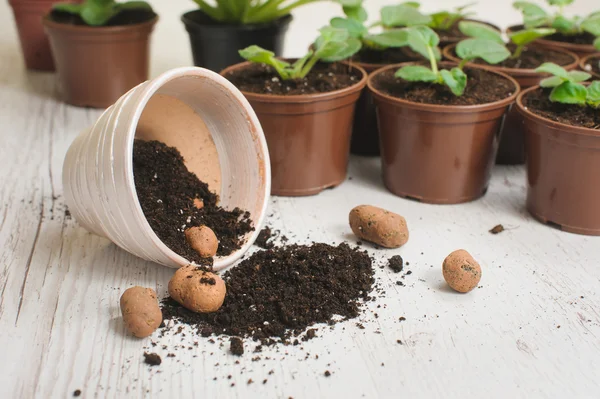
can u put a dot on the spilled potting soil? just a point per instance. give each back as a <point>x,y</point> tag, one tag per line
<point>170,196</point>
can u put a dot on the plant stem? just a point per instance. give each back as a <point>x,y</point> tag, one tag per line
<point>432,60</point>
<point>375,24</point>
<point>463,63</point>
<point>285,11</point>
<point>518,52</point>
<point>209,10</point>
<point>263,12</point>
<point>308,66</point>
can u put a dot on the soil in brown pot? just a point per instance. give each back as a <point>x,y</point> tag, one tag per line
<point>454,34</point>
<point>126,17</point>
<point>482,87</point>
<point>581,38</point>
<point>593,63</point>
<point>166,190</point>
<point>530,58</point>
<point>539,103</point>
<point>383,57</point>
<point>323,78</point>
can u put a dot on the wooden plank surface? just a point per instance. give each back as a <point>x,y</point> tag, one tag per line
<point>532,328</point>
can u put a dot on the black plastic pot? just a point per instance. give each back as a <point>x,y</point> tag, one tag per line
<point>215,45</point>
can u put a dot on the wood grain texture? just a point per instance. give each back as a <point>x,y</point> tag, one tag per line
<point>532,329</point>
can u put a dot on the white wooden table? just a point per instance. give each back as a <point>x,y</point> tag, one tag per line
<point>532,329</point>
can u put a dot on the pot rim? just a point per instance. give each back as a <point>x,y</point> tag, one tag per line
<point>85,29</point>
<point>585,131</point>
<point>587,48</point>
<point>301,98</point>
<point>439,107</point>
<point>520,72</point>
<point>284,20</point>
<point>587,58</point>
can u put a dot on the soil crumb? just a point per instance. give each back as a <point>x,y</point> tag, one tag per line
<point>236,346</point>
<point>265,238</point>
<point>396,263</point>
<point>497,229</point>
<point>152,359</point>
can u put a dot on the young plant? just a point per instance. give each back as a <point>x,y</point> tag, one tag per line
<point>256,11</point>
<point>535,16</point>
<point>567,87</point>
<point>489,40</point>
<point>354,24</point>
<point>424,40</point>
<point>408,14</point>
<point>99,12</point>
<point>331,46</point>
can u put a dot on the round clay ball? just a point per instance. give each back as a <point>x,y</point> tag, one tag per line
<point>197,289</point>
<point>141,312</point>
<point>461,271</point>
<point>379,226</point>
<point>202,240</point>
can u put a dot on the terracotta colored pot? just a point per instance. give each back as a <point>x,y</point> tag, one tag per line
<point>582,50</point>
<point>308,136</point>
<point>215,45</point>
<point>585,64</point>
<point>435,153</point>
<point>563,171</point>
<point>511,150</point>
<point>96,65</point>
<point>28,16</point>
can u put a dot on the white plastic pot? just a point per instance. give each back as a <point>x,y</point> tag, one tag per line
<point>214,128</point>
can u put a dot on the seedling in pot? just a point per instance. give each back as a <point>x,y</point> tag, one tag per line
<point>424,41</point>
<point>354,23</point>
<point>567,87</point>
<point>535,16</point>
<point>100,12</point>
<point>331,46</point>
<point>256,11</point>
<point>488,41</point>
<point>408,14</point>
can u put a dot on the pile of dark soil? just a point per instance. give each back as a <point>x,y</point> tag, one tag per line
<point>323,78</point>
<point>276,294</point>
<point>581,38</point>
<point>482,87</point>
<point>539,103</point>
<point>166,191</point>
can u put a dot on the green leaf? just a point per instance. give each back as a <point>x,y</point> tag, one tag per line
<point>390,38</point>
<point>465,6</point>
<point>552,81</point>
<point>593,94</point>
<point>403,15</point>
<point>455,79</point>
<point>561,3</point>
<point>413,4</point>
<point>578,76</point>
<point>597,43</point>
<point>97,14</point>
<point>533,14</point>
<point>592,25</point>
<point>350,3</point>
<point>341,51</point>
<point>489,51</point>
<point>357,13</point>
<point>260,55</point>
<point>421,39</point>
<point>329,33</point>
<point>68,8</point>
<point>553,69</point>
<point>440,18</point>
<point>480,31</point>
<point>524,37</point>
<point>563,24</point>
<point>416,73</point>
<point>352,26</point>
<point>569,93</point>
<point>300,62</point>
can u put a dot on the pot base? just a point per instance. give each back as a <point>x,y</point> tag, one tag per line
<point>436,200</point>
<point>562,227</point>
<point>305,192</point>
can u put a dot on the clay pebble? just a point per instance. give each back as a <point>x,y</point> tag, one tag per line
<point>379,226</point>
<point>203,240</point>
<point>197,289</point>
<point>461,271</point>
<point>140,310</point>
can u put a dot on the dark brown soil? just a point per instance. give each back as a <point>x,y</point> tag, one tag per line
<point>531,58</point>
<point>152,359</point>
<point>385,57</point>
<point>323,78</point>
<point>236,346</point>
<point>453,34</point>
<point>127,17</point>
<point>497,229</point>
<point>538,102</point>
<point>594,65</point>
<point>276,294</point>
<point>582,38</point>
<point>396,263</point>
<point>482,87</point>
<point>166,191</point>
<point>77,392</point>
<point>265,238</point>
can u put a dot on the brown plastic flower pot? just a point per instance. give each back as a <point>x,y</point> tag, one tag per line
<point>308,136</point>
<point>435,153</point>
<point>96,65</point>
<point>28,16</point>
<point>582,50</point>
<point>586,64</point>
<point>511,150</point>
<point>563,171</point>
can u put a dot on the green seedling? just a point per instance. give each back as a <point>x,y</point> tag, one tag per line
<point>331,46</point>
<point>567,87</point>
<point>424,40</point>
<point>354,24</point>
<point>487,43</point>
<point>535,16</point>
<point>99,12</point>
<point>408,14</point>
<point>256,11</point>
